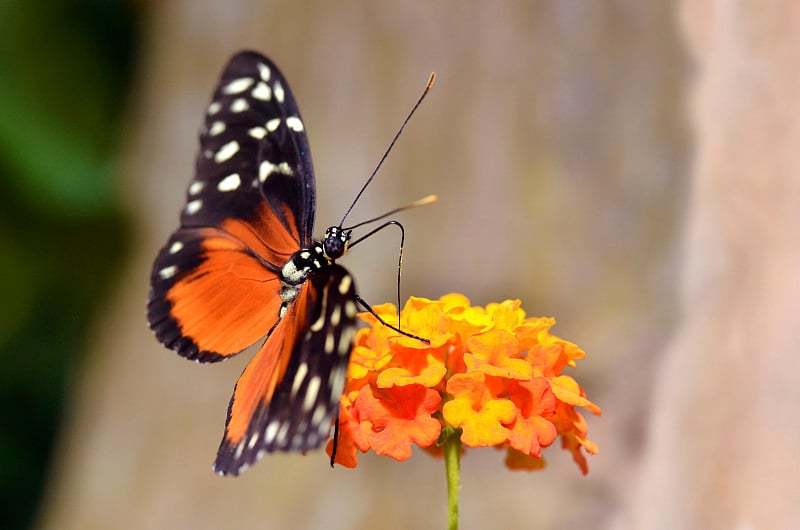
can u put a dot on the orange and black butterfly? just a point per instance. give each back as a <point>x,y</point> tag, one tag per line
<point>244,265</point>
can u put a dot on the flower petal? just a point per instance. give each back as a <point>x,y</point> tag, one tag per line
<point>517,461</point>
<point>476,412</point>
<point>566,389</point>
<point>497,353</point>
<point>398,417</point>
<point>430,374</point>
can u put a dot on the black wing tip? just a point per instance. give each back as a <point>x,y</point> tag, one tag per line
<point>249,53</point>
<point>246,59</point>
<point>234,459</point>
<point>186,347</point>
<point>168,333</point>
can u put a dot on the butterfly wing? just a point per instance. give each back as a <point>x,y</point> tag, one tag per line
<point>286,397</point>
<point>214,285</point>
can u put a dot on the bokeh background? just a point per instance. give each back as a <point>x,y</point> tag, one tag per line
<point>627,167</point>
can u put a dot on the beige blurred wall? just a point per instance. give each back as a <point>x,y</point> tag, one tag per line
<point>560,142</point>
<point>724,435</point>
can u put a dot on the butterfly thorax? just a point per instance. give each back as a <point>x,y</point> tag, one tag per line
<point>315,258</point>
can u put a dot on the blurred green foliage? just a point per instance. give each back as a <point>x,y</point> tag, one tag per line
<point>65,67</point>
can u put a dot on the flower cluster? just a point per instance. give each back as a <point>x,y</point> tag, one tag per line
<point>490,372</point>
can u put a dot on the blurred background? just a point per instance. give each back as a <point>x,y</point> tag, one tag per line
<point>623,166</point>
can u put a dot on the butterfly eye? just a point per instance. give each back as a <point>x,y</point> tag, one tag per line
<point>335,243</point>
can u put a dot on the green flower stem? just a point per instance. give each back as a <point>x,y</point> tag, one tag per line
<point>451,443</point>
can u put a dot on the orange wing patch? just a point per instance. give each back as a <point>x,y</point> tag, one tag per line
<point>268,235</point>
<point>264,372</point>
<point>229,300</point>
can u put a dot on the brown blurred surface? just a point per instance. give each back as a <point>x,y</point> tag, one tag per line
<point>558,140</point>
<point>724,433</point>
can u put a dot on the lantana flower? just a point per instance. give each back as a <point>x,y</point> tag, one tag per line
<point>489,374</point>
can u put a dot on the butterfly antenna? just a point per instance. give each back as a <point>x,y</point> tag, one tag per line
<point>429,199</point>
<point>431,80</point>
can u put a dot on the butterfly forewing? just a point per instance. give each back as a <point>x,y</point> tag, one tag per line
<point>311,349</point>
<point>253,148</point>
<point>249,207</point>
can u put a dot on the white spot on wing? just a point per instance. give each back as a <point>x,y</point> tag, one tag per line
<point>175,247</point>
<point>229,183</point>
<point>257,132</point>
<point>318,324</point>
<point>330,341</point>
<point>319,414</point>
<point>194,207</point>
<point>214,107</point>
<point>218,127</point>
<point>350,309</point>
<point>311,393</point>
<point>262,91</point>
<point>226,151</point>
<point>282,432</point>
<point>253,441</point>
<point>345,284</point>
<point>168,272</point>
<point>265,169</point>
<point>336,315</point>
<point>279,92</point>
<point>299,377</point>
<point>346,341</point>
<point>239,105</point>
<point>237,86</point>
<point>273,124</point>
<point>271,431</point>
<point>294,123</point>
<point>264,71</point>
<point>196,187</point>
<point>337,380</point>
<point>284,168</point>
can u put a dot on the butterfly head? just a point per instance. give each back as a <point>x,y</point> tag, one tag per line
<point>334,245</point>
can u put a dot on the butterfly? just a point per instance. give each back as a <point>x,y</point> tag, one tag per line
<point>243,265</point>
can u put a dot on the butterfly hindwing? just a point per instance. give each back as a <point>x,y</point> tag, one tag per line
<point>307,354</point>
<point>249,207</point>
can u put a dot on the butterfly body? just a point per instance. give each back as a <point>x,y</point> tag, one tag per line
<point>314,259</point>
<point>243,265</point>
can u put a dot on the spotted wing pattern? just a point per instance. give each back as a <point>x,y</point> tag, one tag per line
<point>307,356</point>
<point>249,207</point>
